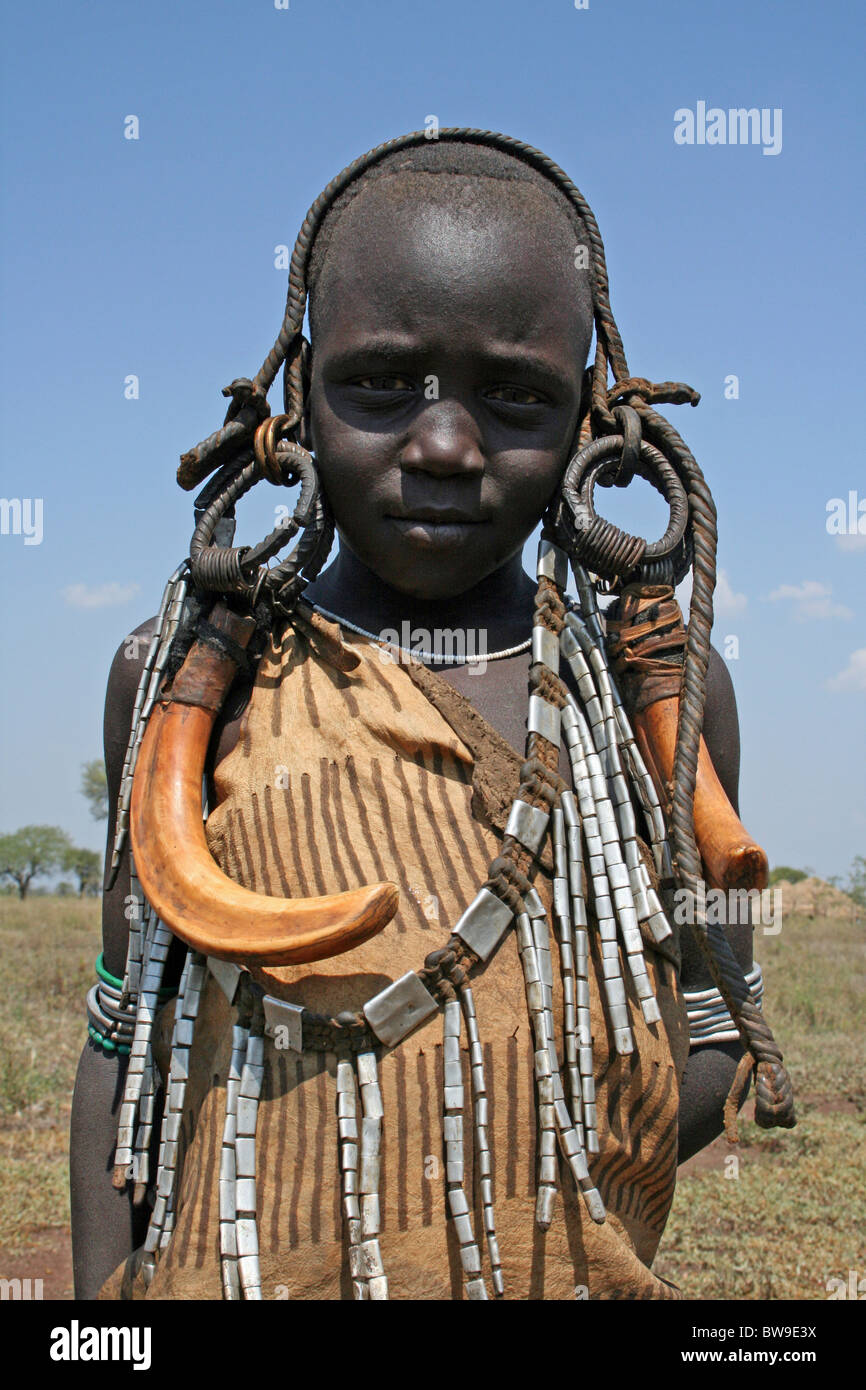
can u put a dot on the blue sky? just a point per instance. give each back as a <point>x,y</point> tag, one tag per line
<point>155,257</point>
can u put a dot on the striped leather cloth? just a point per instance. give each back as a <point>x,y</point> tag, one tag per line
<point>341,779</point>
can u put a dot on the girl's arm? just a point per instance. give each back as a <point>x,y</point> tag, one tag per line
<point>105,1225</point>
<point>710,1069</point>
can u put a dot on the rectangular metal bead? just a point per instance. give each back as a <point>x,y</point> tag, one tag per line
<point>371,1259</point>
<point>463,1229</point>
<point>399,1009</point>
<point>552,563</point>
<point>534,906</point>
<point>560,896</point>
<point>484,923</point>
<point>367,1070</point>
<point>453,1074</point>
<point>245,1194</point>
<point>370,1215</point>
<point>287,1018</point>
<point>545,647</point>
<point>569,807</point>
<point>543,719</point>
<point>457,1202</point>
<point>526,823</point>
<point>371,1101</point>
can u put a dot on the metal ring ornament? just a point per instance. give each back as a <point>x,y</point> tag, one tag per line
<point>603,547</point>
<point>242,570</point>
<point>630,424</point>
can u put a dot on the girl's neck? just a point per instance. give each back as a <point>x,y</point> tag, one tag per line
<point>500,606</point>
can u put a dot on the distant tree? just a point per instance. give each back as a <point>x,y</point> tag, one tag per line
<point>857,880</point>
<point>32,851</point>
<point>94,788</point>
<point>786,874</point>
<point>86,864</point>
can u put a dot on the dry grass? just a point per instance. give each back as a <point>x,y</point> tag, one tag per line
<point>47,949</point>
<point>795,1216</point>
<point>789,1222</point>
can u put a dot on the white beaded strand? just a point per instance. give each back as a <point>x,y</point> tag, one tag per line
<point>371,1267</point>
<point>470,1256</point>
<point>482,1147</point>
<point>228,1167</point>
<point>348,1143</point>
<point>249,1092</point>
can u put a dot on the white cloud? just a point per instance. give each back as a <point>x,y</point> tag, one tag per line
<point>109,595</point>
<point>854,675</point>
<point>851,542</point>
<point>725,602</point>
<point>811,600</point>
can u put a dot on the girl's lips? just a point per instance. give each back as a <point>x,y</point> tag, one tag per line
<point>434,534</point>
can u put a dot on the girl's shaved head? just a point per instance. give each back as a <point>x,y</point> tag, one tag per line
<point>475,184</point>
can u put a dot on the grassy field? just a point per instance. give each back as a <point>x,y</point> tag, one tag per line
<point>790,1220</point>
<point>795,1215</point>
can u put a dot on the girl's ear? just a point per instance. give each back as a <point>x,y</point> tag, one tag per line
<point>304,437</point>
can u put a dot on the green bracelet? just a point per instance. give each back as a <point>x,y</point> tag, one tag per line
<point>106,1044</point>
<point>166,991</point>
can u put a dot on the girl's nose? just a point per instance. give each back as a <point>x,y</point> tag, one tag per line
<point>444,439</point>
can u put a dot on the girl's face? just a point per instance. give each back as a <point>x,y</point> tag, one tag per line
<point>445,388</point>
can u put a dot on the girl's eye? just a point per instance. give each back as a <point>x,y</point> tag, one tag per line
<point>514,395</point>
<point>385,383</point>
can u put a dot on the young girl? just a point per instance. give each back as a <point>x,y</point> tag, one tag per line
<point>488,1094</point>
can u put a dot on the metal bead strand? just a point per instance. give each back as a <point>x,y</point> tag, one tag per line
<point>371,1269</point>
<point>589,791</point>
<point>482,1148</point>
<point>618,877</point>
<point>348,1140</point>
<point>569,1139</point>
<point>228,1163</point>
<point>165,1170</point>
<point>581,970</point>
<point>137,929</point>
<point>547,1171</point>
<point>562,918</point>
<point>576,644</point>
<point>156,947</point>
<point>168,620</point>
<point>643,782</point>
<point>645,898</point>
<point>186,1011</point>
<point>249,1092</point>
<point>470,1256</point>
<point>145,1109</point>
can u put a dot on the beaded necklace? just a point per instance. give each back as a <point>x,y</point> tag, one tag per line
<point>419,655</point>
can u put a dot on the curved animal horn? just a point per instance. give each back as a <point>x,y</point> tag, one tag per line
<point>732,859</point>
<point>178,874</point>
